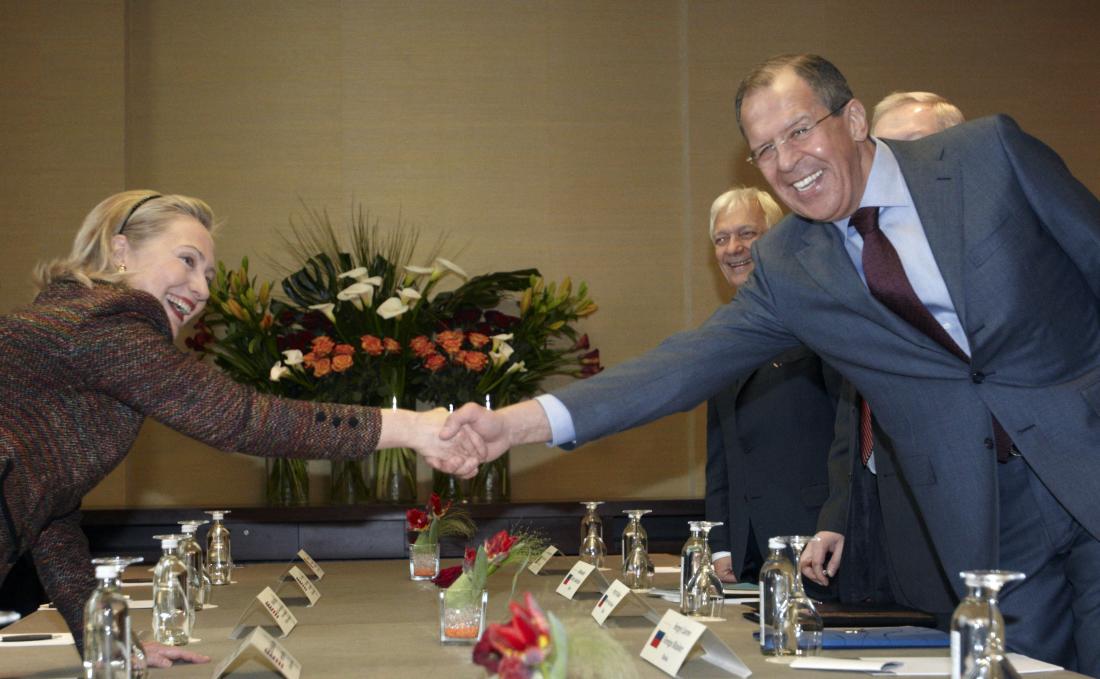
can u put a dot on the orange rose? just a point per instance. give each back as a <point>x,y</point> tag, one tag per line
<point>435,362</point>
<point>450,340</point>
<point>372,345</point>
<point>322,346</point>
<point>267,321</point>
<point>391,345</point>
<point>477,340</point>
<point>475,361</point>
<point>343,350</point>
<point>341,362</point>
<point>422,346</point>
<point>322,367</point>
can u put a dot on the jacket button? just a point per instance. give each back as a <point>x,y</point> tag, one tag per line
<point>353,422</point>
<point>988,443</point>
<point>336,420</point>
<point>977,376</point>
<point>320,417</point>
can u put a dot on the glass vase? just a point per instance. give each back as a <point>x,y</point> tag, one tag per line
<point>462,621</point>
<point>447,486</point>
<point>287,482</point>
<point>423,561</point>
<point>493,482</point>
<point>347,485</point>
<point>394,475</point>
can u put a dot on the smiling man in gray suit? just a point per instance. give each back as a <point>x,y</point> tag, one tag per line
<point>988,384</point>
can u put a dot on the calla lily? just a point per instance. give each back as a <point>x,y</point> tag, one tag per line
<point>517,367</point>
<point>326,309</point>
<point>419,270</point>
<point>407,294</point>
<point>355,273</point>
<point>501,353</point>
<point>500,339</point>
<point>376,281</point>
<point>278,371</point>
<point>293,356</point>
<point>392,308</point>
<point>452,267</point>
<point>359,293</point>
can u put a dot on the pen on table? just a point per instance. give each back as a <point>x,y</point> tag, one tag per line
<point>27,637</point>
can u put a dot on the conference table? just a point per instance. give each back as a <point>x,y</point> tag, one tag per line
<point>373,621</point>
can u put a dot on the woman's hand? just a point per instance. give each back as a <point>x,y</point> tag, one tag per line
<point>159,655</point>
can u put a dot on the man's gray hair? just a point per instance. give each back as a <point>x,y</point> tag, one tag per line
<point>947,114</point>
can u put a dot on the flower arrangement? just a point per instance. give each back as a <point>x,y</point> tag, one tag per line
<point>534,643</point>
<point>429,524</point>
<point>360,323</point>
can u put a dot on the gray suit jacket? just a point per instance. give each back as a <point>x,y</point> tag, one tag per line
<point>1017,240</point>
<point>768,438</point>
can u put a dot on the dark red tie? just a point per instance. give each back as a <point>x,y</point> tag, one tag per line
<point>866,440</point>
<point>888,284</point>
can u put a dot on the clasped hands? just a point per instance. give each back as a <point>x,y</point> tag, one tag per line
<point>456,443</point>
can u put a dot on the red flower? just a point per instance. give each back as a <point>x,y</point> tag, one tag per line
<point>511,667</point>
<point>477,340</point>
<point>485,655</point>
<point>371,344</point>
<point>499,545</point>
<point>418,520</point>
<point>422,346</point>
<point>341,362</point>
<point>469,558</point>
<point>590,363</point>
<point>321,366</point>
<point>474,361</point>
<point>435,362</point>
<point>322,346</point>
<point>447,576</point>
<point>450,340</point>
<point>502,321</point>
<point>435,504</point>
<point>391,345</point>
<point>513,649</point>
<point>581,344</point>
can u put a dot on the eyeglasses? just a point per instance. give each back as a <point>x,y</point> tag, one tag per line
<point>769,152</point>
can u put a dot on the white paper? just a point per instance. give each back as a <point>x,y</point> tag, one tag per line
<point>313,566</point>
<point>308,588</point>
<point>615,593</point>
<point>548,553</point>
<point>666,569</point>
<point>821,662</point>
<point>574,579</point>
<point>58,639</point>
<point>277,609</point>
<point>671,640</point>
<point>941,666</point>
<point>266,650</point>
<point>137,583</point>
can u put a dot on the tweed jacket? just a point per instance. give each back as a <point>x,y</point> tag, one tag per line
<point>80,370</point>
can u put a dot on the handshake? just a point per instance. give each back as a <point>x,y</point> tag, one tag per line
<point>456,443</point>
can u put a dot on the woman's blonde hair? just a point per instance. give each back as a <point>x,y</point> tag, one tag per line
<point>139,215</point>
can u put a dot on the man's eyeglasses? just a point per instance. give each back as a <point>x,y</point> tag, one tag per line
<point>769,152</point>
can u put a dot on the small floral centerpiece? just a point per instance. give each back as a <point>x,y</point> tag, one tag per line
<point>429,524</point>
<point>463,596</point>
<point>537,644</point>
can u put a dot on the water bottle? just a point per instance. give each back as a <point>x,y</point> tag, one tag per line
<point>107,629</point>
<point>198,583</point>
<point>690,557</point>
<point>219,560</point>
<point>776,581</point>
<point>172,612</point>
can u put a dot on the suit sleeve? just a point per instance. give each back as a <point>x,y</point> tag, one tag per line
<point>684,370</point>
<point>61,557</point>
<point>834,513</point>
<point>717,496</point>
<point>126,355</point>
<point>1070,212</point>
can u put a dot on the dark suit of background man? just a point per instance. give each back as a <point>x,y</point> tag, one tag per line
<point>1002,246</point>
<point>885,546</point>
<point>767,434</point>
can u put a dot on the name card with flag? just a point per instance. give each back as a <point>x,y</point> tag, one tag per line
<point>678,638</point>
<point>264,649</point>
<point>573,580</point>
<point>317,570</point>
<point>610,599</point>
<point>536,565</point>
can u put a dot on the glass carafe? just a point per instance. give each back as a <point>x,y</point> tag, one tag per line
<point>172,612</point>
<point>978,629</point>
<point>803,628</point>
<point>107,633</point>
<point>138,666</point>
<point>219,558</point>
<point>777,577</point>
<point>198,582</point>
<point>703,594</point>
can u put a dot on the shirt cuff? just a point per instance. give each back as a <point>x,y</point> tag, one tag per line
<point>561,422</point>
<point>718,555</point>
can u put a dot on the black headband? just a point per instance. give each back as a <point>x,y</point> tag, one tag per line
<point>138,204</point>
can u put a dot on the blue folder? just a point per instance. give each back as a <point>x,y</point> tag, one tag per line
<point>881,637</point>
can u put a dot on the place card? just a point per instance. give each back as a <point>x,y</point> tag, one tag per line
<point>678,638</point>
<point>308,588</point>
<point>317,570</point>
<point>610,599</point>
<point>574,579</point>
<point>263,648</point>
<point>278,610</point>
<point>548,553</point>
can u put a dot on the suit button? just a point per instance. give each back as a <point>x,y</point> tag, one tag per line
<point>977,376</point>
<point>988,443</point>
<point>353,422</point>
<point>336,420</point>
<point>320,417</point>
